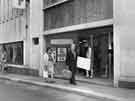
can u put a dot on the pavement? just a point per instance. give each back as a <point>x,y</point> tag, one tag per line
<point>86,89</point>
<point>14,91</point>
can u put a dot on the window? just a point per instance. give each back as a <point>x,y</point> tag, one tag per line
<point>35,41</point>
<point>14,52</point>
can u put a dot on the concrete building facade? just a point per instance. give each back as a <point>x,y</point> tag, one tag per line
<point>103,25</point>
<point>14,32</point>
<point>89,24</point>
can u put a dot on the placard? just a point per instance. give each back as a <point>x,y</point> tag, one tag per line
<point>83,63</point>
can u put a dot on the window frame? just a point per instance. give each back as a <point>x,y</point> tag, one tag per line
<point>54,4</point>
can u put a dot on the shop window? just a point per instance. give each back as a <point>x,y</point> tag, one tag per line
<point>35,41</point>
<point>14,53</point>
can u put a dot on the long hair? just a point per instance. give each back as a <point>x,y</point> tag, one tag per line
<point>4,48</point>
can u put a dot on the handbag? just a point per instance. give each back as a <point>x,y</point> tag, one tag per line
<point>67,73</point>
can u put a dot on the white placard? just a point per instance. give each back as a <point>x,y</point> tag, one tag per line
<point>83,63</point>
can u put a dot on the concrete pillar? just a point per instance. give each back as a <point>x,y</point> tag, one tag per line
<point>26,35</point>
<point>124,39</point>
<point>42,43</point>
<point>36,29</point>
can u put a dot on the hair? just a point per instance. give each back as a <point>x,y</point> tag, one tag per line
<point>48,48</point>
<point>4,48</point>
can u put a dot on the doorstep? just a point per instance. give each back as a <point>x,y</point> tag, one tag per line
<point>24,70</point>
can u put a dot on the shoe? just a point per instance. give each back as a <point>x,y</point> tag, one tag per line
<point>74,83</point>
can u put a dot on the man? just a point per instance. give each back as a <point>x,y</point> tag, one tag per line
<point>88,55</point>
<point>71,62</point>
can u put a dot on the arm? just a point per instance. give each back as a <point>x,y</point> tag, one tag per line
<point>67,59</point>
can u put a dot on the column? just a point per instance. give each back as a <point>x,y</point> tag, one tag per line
<point>42,43</point>
<point>124,39</point>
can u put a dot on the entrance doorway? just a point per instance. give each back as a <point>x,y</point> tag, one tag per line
<point>101,54</point>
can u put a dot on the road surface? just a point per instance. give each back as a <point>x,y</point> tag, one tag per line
<point>13,91</point>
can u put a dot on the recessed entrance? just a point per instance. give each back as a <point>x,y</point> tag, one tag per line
<point>101,54</point>
<point>98,41</point>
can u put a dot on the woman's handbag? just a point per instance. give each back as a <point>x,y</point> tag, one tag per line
<point>67,73</point>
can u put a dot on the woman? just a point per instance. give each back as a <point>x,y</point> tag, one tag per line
<point>49,62</point>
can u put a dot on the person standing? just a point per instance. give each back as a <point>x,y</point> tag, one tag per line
<point>3,58</point>
<point>71,60</point>
<point>88,55</point>
<point>45,70</point>
<point>49,63</point>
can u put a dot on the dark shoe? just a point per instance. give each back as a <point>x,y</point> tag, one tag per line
<point>52,81</point>
<point>73,83</point>
<point>70,81</point>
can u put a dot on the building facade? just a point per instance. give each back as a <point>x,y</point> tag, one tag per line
<point>13,32</point>
<point>89,24</point>
<point>102,25</point>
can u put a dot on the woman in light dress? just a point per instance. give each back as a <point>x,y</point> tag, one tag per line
<point>49,62</point>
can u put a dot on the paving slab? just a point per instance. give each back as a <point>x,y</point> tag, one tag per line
<point>86,89</point>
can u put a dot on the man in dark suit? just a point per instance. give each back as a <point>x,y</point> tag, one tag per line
<point>71,62</point>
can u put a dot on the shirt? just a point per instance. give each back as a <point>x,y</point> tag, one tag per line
<point>46,58</point>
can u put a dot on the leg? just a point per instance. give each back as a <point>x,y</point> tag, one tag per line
<point>51,75</point>
<point>87,73</point>
<point>73,81</point>
<point>91,76</point>
<point>2,69</point>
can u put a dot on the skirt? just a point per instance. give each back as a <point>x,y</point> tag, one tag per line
<point>50,67</point>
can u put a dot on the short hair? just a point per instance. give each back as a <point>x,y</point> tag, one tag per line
<point>4,48</point>
<point>48,48</point>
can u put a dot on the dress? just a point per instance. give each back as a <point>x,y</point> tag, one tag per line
<point>3,60</point>
<point>50,64</point>
<point>46,57</point>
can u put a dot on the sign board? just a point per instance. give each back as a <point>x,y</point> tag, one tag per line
<point>61,54</point>
<point>83,63</point>
<point>20,4</point>
<point>61,41</point>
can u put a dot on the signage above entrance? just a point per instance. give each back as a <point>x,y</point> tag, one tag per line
<point>61,41</point>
